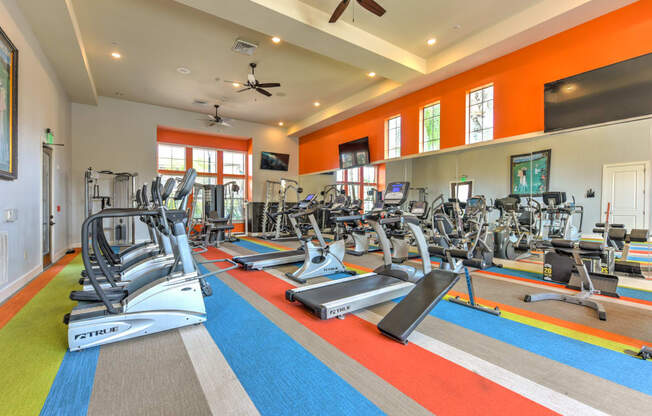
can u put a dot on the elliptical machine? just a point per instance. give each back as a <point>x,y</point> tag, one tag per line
<point>319,260</point>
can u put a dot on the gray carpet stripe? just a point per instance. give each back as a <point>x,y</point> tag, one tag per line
<point>389,399</point>
<point>222,389</point>
<point>151,375</point>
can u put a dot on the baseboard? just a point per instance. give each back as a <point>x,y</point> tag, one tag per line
<point>18,284</point>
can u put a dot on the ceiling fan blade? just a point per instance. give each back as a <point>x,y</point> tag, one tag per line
<point>212,117</point>
<point>269,85</point>
<point>225,124</point>
<point>372,6</point>
<point>235,82</point>
<point>245,89</point>
<point>262,91</point>
<point>339,10</point>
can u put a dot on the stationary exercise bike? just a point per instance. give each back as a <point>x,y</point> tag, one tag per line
<point>319,260</point>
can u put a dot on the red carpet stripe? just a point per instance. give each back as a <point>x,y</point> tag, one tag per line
<point>437,384</point>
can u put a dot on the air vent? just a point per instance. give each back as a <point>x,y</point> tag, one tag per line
<point>200,102</point>
<point>4,257</point>
<point>244,47</point>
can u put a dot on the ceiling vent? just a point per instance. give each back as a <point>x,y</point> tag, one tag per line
<point>200,102</point>
<point>244,47</point>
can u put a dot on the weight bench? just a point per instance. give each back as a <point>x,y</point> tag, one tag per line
<point>583,249</point>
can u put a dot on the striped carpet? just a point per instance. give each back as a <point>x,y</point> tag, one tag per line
<point>259,354</point>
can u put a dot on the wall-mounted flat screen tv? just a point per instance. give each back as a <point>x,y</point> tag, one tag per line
<point>354,154</point>
<point>274,161</point>
<point>615,92</point>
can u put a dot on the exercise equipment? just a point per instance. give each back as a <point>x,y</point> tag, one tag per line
<point>276,225</point>
<point>153,304</point>
<point>336,298</point>
<point>322,259</point>
<point>404,318</point>
<point>558,217</point>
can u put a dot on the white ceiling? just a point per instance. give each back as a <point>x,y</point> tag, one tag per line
<point>410,23</point>
<point>155,37</point>
<point>315,61</point>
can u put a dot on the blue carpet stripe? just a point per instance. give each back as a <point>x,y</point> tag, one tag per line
<point>608,364</point>
<point>280,376</point>
<point>254,247</point>
<point>72,387</point>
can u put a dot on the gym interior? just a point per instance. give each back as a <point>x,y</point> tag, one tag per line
<point>325,207</point>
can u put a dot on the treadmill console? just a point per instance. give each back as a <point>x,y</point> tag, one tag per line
<point>418,208</point>
<point>554,199</point>
<point>396,193</point>
<point>307,201</point>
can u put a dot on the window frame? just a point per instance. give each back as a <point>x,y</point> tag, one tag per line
<point>220,177</point>
<point>388,150</point>
<point>422,127</point>
<point>468,128</point>
<point>360,185</point>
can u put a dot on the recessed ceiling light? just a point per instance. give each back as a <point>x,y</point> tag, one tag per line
<point>316,103</point>
<point>371,74</point>
<point>432,41</point>
<point>236,85</point>
<point>280,123</point>
<point>276,39</point>
<point>183,70</point>
<point>116,55</point>
<point>457,27</point>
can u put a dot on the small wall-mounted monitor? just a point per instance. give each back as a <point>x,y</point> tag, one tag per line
<point>354,154</point>
<point>274,161</point>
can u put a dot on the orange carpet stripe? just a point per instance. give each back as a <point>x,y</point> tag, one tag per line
<point>439,385</point>
<point>10,308</point>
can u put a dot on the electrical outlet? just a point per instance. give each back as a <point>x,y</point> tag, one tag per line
<point>11,215</point>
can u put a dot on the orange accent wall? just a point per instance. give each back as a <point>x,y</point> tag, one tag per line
<point>191,138</point>
<point>518,80</point>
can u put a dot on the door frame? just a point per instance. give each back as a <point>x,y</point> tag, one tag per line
<point>48,150</point>
<point>646,195</point>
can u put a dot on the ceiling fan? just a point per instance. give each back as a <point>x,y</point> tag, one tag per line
<point>370,5</point>
<point>213,120</point>
<point>253,84</point>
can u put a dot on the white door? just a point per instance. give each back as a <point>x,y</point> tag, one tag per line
<point>624,186</point>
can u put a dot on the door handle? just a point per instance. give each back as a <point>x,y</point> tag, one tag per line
<point>52,223</point>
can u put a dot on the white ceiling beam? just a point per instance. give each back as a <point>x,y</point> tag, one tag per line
<point>55,24</point>
<point>305,26</point>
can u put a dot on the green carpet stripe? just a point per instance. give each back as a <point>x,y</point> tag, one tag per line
<point>33,343</point>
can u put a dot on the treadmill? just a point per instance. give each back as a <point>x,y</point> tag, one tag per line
<point>337,298</point>
<point>276,258</point>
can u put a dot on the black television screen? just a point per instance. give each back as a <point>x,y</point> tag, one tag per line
<point>614,92</point>
<point>354,154</point>
<point>274,161</point>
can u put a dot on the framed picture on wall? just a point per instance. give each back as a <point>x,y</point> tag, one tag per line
<point>8,108</point>
<point>529,173</point>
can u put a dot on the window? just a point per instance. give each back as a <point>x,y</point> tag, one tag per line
<point>462,190</point>
<point>480,115</point>
<point>174,160</point>
<point>430,116</point>
<point>171,157</point>
<point>234,163</point>
<point>204,160</point>
<point>393,140</point>
<point>357,183</point>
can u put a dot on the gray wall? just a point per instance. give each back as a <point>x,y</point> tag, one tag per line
<point>42,103</point>
<point>577,161</point>
<point>120,135</point>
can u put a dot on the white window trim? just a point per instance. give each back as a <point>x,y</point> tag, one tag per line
<point>421,122</point>
<point>467,120</point>
<point>387,120</point>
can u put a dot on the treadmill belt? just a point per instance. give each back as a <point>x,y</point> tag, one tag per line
<point>325,294</point>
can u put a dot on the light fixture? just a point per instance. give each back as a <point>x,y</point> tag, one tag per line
<point>280,123</point>
<point>183,70</point>
<point>276,39</point>
<point>432,41</point>
<point>316,103</point>
<point>116,55</point>
<point>371,74</point>
<point>236,85</point>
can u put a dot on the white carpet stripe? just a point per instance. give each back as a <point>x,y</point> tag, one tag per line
<point>545,396</point>
<point>224,393</point>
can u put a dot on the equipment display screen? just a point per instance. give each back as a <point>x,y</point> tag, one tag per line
<point>474,202</point>
<point>309,197</point>
<point>397,187</point>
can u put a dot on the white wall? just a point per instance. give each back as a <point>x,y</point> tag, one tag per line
<point>120,135</point>
<point>577,161</point>
<point>42,103</point>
